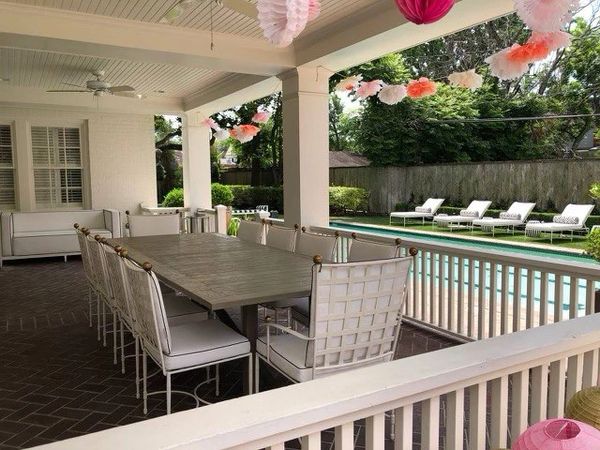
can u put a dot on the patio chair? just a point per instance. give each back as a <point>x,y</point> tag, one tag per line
<point>515,216</point>
<point>475,210</point>
<point>282,238</point>
<point>355,321</point>
<point>572,219</point>
<point>251,231</point>
<point>364,250</point>
<point>177,348</point>
<point>426,211</point>
<point>87,270</point>
<point>158,225</point>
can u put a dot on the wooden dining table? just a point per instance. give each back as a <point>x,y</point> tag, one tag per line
<point>221,272</point>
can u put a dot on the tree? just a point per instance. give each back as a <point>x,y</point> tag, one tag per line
<point>167,137</point>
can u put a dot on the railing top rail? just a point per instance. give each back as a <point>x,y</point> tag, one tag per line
<point>272,416</point>
<point>581,269</point>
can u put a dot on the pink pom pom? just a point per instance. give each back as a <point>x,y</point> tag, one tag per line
<point>369,88</point>
<point>558,434</point>
<point>469,79</point>
<point>314,9</point>
<point>553,40</point>
<point>545,15</point>
<point>505,67</point>
<point>349,83</point>
<point>210,123</point>
<point>261,117</point>
<point>424,11</point>
<point>244,133</point>
<point>282,20</point>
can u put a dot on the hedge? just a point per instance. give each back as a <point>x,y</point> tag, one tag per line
<point>249,197</point>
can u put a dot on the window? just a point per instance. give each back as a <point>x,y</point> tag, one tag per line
<point>57,167</point>
<point>7,169</point>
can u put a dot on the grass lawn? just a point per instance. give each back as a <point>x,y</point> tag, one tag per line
<point>577,243</point>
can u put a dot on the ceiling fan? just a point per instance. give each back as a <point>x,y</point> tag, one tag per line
<point>99,87</point>
<point>245,7</point>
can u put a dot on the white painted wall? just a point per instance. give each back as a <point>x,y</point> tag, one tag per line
<point>121,163</point>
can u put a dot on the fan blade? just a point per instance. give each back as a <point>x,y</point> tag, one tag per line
<point>71,84</point>
<point>66,91</point>
<point>114,89</point>
<point>129,94</point>
<point>242,6</point>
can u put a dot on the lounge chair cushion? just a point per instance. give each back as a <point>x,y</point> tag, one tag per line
<point>467,213</point>
<point>568,220</point>
<point>422,209</point>
<point>510,216</point>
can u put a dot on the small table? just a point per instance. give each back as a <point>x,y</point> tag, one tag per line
<point>221,272</point>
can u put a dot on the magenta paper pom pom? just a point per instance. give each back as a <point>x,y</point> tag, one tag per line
<point>424,11</point>
<point>558,434</point>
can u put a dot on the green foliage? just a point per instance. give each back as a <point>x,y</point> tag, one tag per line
<point>593,244</point>
<point>342,199</point>
<point>595,190</point>
<point>233,226</point>
<point>248,197</point>
<point>174,198</point>
<point>221,194</point>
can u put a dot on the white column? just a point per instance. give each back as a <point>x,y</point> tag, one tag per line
<point>24,185</point>
<point>306,146</point>
<point>196,162</point>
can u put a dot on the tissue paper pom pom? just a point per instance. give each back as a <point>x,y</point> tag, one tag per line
<point>422,87</point>
<point>553,40</point>
<point>221,134</point>
<point>210,123</point>
<point>545,15</point>
<point>282,20</point>
<point>244,133</point>
<point>505,68</point>
<point>469,79</point>
<point>392,94</point>
<point>424,11</point>
<point>528,52</point>
<point>348,84</point>
<point>369,88</point>
<point>261,117</point>
<point>314,9</point>
<point>558,434</point>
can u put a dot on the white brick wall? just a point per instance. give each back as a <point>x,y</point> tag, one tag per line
<point>121,171</point>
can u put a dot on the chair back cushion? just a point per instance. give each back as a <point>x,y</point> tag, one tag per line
<point>582,212</point>
<point>153,225</point>
<point>250,231</point>
<point>282,238</point>
<point>433,204</point>
<point>57,220</point>
<point>116,275</point>
<point>370,251</point>
<point>520,209</point>
<point>479,207</point>
<point>310,244</point>
<point>355,312</point>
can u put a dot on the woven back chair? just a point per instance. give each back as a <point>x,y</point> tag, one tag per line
<point>251,231</point>
<point>282,238</point>
<point>363,250</point>
<point>310,244</point>
<point>85,257</point>
<point>356,313</point>
<point>98,265</point>
<point>116,276</point>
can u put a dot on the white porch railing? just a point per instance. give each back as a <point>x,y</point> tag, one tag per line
<point>497,386</point>
<point>475,293</point>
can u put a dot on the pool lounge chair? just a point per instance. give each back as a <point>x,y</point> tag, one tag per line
<point>474,211</point>
<point>572,219</point>
<point>427,211</point>
<point>515,216</point>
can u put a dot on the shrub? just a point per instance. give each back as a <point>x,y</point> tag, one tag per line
<point>593,244</point>
<point>234,226</point>
<point>248,197</point>
<point>174,198</point>
<point>595,190</point>
<point>221,195</point>
<point>342,199</point>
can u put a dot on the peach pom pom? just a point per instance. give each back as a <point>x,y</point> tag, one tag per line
<point>422,87</point>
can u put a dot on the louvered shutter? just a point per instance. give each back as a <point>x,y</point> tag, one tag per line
<point>7,169</point>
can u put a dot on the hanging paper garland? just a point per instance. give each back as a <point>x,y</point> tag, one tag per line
<point>392,94</point>
<point>504,67</point>
<point>545,15</point>
<point>424,11</point>
<point>221,134</point>
<point>420,88</point>
<point>261,117</point>
<point>553,40</point>
<point>469,79</point>
<point>244,133</point>
<point>369,88</point>
<point>283,20</point>
<point>348,84</point>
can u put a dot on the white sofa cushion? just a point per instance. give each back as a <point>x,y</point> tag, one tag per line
<point>49,242</point>
<point>57,220</point>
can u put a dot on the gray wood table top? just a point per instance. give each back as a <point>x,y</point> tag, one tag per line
<point>221,271</point>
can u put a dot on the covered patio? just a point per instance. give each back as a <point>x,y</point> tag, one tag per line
<point>490,342</point>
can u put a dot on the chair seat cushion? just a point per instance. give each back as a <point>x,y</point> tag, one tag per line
<point>288,354</point>
<point>196,343</point>
<point>49,242</point>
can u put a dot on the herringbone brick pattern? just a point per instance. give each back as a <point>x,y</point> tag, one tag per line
<point>57,381</point>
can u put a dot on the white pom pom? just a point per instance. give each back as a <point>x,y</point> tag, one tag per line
<point>392,94</point>
<point>545,15</point>
<point>282,20</point>
<point>469,79</point>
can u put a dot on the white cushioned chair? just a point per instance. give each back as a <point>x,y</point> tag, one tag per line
<point>573,218</point>
<point>426,211</point>
<point>42,234</point>
<point>515,216</point>
<point>364,250</point>
<point>146,225</point>
<point>475,210</point>
<point>251,231</point>
<point>282,238</point>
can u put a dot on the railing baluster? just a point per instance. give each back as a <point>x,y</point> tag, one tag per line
<point>544,298</point>
<point>430,423</point>
<point>471,299</point>
<point>530,311</point>
<point>460,303</point>
<point>455,412</point>
<point>481,303</point>
<point>344,436</point>
<point>590,369</point>
<point>433,304</point>
<point>517,299</point>
<point>558,297</point>
<point>415,286</point>
<point>443,306</point>
<point>424,302</point>
<point>504,300</point>
<point>477,416</point>
<point>451,297</point>
<point>590,297</point>
<point>574,375</point>
<point>573,297</point>
<point>404,428</point>
<point>539,393</point>
<point>499,419</point>
<point>312,441</point>
<point>520,402</point>
<point>493,309</point>
<point>375,432</point>
<point>556,391</point>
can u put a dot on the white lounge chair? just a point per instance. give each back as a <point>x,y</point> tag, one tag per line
<point>474,211</point>
<point>572,219</point>
<point>515,216</point>
<point>427,211</point>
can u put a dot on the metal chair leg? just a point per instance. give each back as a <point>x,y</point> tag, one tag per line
<point>114,327</point>
<point>145,380</point>
<point>137,367</point>
<point>256,374</point>
<point>90,301</point>
<point>98,315</point>
<point>168,393</point>
<point>217,381</point>
<point>122,346</point>
<point>104,324</point>
<point>250,373</point>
